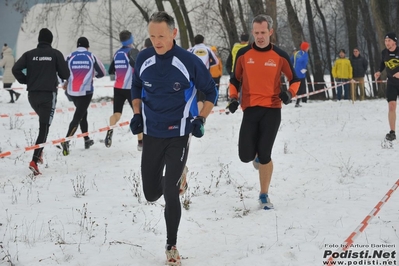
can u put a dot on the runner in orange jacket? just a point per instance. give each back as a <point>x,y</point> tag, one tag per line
<point>258,69</point>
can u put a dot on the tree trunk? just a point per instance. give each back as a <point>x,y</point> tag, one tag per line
<point>159,5</point>
<point>373,49</point>
<point>396,22</point>
<point>271,10</point>
<point>351,15</point>
<point>326,40</point>
<point>242,19</point>
<point>256,7</point>
<point>318,74</point>
<point>227,15</point>
<point>184,43</point>
<point>294,24</point>
<point>187,20</point>
<point>380,13</point>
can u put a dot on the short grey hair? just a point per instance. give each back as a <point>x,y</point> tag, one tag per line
<point>162,16</point>
<point>261,18</point>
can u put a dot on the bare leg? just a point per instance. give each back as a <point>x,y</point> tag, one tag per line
<point>265,176</point>
<point>114,118</point>
<point>392,114</point>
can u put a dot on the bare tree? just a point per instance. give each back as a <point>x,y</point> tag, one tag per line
<point>256,7</point>
<point>143,12</point>
<point>271,10</point>
<point>351,10</point>
<point>380,11</point>
<point>395,13</point>
<point>371,40</point>
<point>160,5</point>
<point>241,15</point>
<point>187,20</point>
<point>294,24</point>
<point>227,15</point>
<point>318,73</point>
<point>326,37</point>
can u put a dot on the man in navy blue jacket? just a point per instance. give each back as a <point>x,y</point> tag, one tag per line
<point>165,82</point>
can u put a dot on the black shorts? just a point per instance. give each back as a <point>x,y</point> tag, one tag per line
<point>43,102</point>
<point>258,131</point>
<point>120,96</point>
<point>392,92</point>
<point>7,86</point>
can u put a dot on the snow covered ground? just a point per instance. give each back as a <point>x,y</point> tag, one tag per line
<point>88,208</point>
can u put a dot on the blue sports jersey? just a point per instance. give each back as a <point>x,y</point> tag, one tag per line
<point>167,85</point>
<point>84,66</point>
<point>123,69</point>
<point>299,61</point>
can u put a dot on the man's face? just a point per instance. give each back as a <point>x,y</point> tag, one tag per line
<point>261,34</point>
<point>390,44</point>
<point>161,36</point>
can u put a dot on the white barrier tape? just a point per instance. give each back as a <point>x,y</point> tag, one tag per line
<point>320,91</point>
<point>366,81</point>
<point>61,87</point>
<point>300,96</point>
<point>349,241</point>
<point>58,141</point>
<point>57,110</point>
<point>97,105</point>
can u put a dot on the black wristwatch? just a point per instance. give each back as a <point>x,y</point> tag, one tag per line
<point>203,119</point>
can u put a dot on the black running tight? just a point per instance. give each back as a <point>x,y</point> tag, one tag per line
<point>80,116</point>
<point>162,163</point>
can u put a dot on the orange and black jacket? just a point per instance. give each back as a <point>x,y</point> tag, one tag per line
<point>258,71</point>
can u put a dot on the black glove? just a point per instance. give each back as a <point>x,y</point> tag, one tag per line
<point>198,126</point>
<point>233,105</point>
<point>285,96</point>
<point>136,124</point>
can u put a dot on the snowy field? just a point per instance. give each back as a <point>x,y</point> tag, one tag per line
<point>88,208</point>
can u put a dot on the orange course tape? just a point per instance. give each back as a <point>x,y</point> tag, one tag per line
<point>349,241</point>
<point>57,141</point>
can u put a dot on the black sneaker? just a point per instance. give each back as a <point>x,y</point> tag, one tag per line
<point>65,148</point>
<point>17,96</point>
<point>108,138</point>
<point>391,135</point>
<point>88,143</point>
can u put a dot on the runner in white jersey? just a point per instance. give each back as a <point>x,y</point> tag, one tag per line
<point>84,67</point>
<point>207,56</point>
<point>204,52</point>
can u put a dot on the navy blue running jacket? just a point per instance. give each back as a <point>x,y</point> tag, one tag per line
<point>167,85</point>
